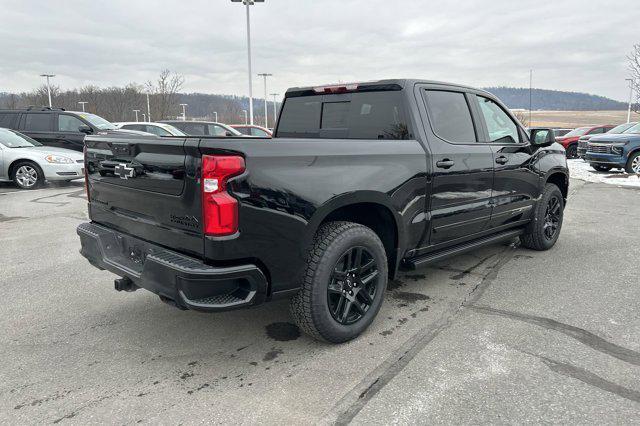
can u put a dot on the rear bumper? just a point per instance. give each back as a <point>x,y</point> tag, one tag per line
<point>185,281</point>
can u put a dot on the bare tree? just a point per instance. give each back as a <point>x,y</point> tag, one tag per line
<point>523,117</point>
<point>634,67</point>
<point>164,95</point>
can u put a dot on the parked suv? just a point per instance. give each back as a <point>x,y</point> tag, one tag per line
<point>54,126</point>
<point>203,128</point>
<point>621,151</point>
<point>584,140</point>
<point>359,180</point>
<point>570,140</point>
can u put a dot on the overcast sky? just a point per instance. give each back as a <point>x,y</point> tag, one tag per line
<point>576,45</point>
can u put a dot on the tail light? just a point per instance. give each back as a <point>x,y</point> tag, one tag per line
<point>340,88</point>
<point>85,167</point>
<point>219,209</point>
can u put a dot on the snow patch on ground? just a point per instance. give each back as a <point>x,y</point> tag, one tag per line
<point>579,169</point>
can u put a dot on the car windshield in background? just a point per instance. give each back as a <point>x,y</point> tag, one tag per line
<point>621,128</point>
<point>97,121</point>
<point>633,129</point>
<point>12,139</point>
<point>369,115</point>
<point>577,132</point>
<point>173,130</point>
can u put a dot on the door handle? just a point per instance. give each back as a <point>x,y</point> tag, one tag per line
<point>502,160</point>
<point>445,164</point>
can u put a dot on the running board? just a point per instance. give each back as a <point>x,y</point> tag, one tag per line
<point>428,258</point>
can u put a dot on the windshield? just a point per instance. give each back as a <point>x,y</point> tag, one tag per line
<point>621,128</point>
<point>633,129</point>
<point>97,121</point>
<point>12,139</point>
<point>577,132</point>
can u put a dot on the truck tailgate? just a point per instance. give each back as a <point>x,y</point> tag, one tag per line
<point>146,187</point>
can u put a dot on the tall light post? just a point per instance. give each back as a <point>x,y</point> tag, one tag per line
<point>248,3</point>
<point>215,113</point>
<point>266,121</point>
<point>275,109</point>
<point>148,109</point>
<point>184,111</point>
<point>630,80</point>
<point>48,76</point>
<point>83,104</point>
<point>530,90</point>
<point>144,117</point>
<point>245,116</point>
<point>136,111</point>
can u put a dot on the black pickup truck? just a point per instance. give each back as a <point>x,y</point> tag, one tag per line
<point>359,181</point>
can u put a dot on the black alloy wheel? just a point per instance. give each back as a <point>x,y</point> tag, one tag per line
<point>552,218</point>
<point>353,286</point>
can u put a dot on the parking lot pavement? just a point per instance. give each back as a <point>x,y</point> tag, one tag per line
<point>500,335</point>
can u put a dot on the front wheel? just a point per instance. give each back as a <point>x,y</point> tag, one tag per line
<point>543,232</point>
<point>633,165</point>
<point>572,151</point>
<point>343,286</point>
<point>27,175</point>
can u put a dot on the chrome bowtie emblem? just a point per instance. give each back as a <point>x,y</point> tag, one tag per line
<point>124,171</point>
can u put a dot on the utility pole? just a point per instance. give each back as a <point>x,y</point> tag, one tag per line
<point>247,4</point>
<point>630,80</point>
<point>136,111</point>
<point>184,111</point>
<point>48,85</point>
<point>275,109</point>
<point>215,113</point>
<point>266,115</point>
<point>83,104</point>
<point>530,90</point>
<point>245,116</point>
<point>148,109</point>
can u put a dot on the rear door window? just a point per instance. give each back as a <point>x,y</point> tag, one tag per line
<point>34,122</point>
<point>195,129</point>
<point>450,116</point>
<point>7,119</point>
<point>366,115</point>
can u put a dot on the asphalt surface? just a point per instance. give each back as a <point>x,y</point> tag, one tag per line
<point>502,335</point>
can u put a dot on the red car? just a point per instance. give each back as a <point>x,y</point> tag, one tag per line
<point>252,130</point>
<point>570,140</point>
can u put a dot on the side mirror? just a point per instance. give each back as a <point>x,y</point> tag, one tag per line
<point>542,137</point>
<point>85,129</point>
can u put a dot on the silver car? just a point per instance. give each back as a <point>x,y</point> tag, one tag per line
<point>28,163</point>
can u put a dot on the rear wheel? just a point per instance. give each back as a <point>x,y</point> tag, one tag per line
<point>633,164</point>
<point>544,230</point>
<point>27,175</point>
<point>572,151</point>
<point>344,283</point>
<point>601,168</point>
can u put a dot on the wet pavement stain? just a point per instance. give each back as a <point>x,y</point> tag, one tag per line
<point>409,297</point>
<point>272,354</point>
<point>283,331</point>
<point>4,218</point>
<point>416,277</point>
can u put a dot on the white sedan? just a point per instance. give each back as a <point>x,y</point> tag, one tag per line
<point>160,129</point>
<point>28,163</point>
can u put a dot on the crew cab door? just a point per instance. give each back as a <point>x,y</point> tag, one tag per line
<point>462,168</point>
<point>516,186</point>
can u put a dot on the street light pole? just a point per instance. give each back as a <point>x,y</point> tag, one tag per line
<point>266,120</point>
<point>148,109</point>
<point>215,113</point>
<point>144,117</point>
<point>247,4</point>
<point>136,111</point>
<point>48,85</point>
<point>630,80</point>
<point>245,116</point>
<point>83,104</point>
<point>530,90</point>
<point>275,112</point>
<point>184,111</point>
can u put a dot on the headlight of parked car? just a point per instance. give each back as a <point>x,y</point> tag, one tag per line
<point>617,148</point>
<point>58,159</point>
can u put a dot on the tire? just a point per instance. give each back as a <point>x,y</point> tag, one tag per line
<point>27,175</point>
<point>572,151</point>
<point>601,168</point>
<point>633,164</point>
<point>319,308</point>
<point>538,234</point>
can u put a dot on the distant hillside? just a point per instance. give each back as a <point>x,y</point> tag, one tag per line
<point>554,100</point>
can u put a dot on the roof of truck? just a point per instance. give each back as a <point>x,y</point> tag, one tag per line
<point>400,82</point>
